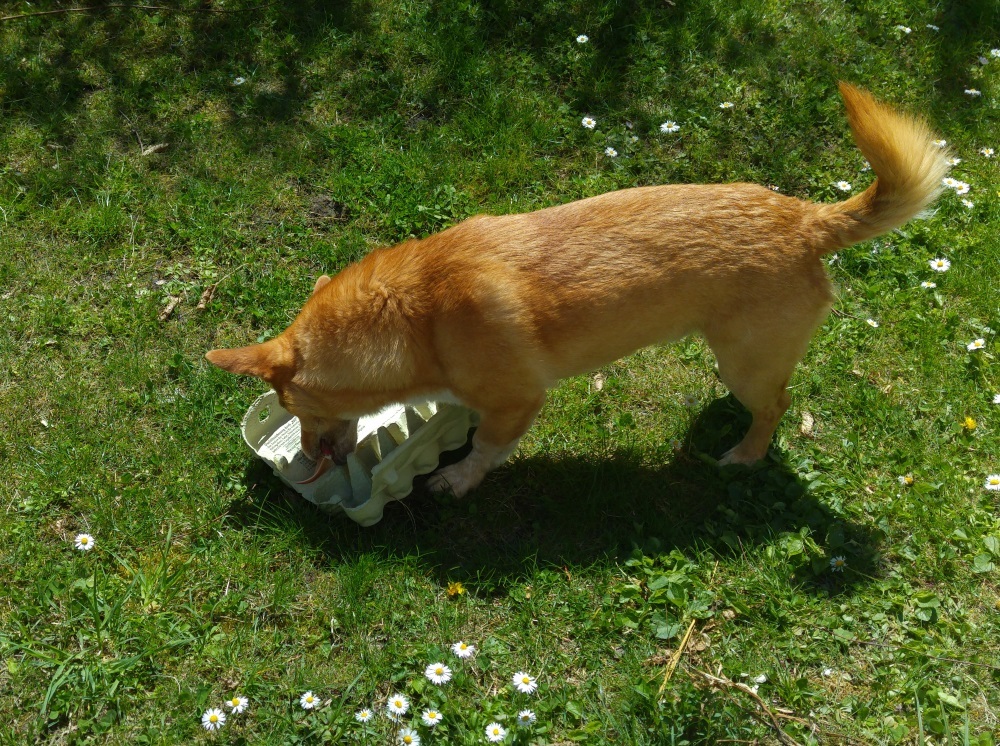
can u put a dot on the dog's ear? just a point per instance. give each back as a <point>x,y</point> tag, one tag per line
<point>321,282</point>
<point>271,360</point>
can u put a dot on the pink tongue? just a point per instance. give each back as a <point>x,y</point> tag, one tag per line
<point>322,464</point>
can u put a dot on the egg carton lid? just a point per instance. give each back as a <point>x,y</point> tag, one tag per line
<point>394,446</point>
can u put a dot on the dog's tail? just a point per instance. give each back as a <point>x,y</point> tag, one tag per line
<point>908,165</point>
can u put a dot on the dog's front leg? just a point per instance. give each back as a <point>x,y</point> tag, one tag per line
<point>496,438</point>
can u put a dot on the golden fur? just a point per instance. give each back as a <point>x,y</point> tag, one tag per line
<point>496,310</point>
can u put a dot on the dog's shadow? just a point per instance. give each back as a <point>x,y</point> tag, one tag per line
<point>571,511</point>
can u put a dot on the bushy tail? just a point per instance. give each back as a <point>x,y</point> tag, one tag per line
<point>908,166</point>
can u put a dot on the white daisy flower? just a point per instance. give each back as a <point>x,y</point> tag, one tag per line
<point>495,733</point>
<point>866,166</point>
<point>932,27</point>
<point>408,737</point>
<point>872,323</point>
<point>213,719</point>
<point>940,264</point>
<point>969,204</point>
<point>438,673</point>
<point>996,398</point>
<point>973,92</point>
<point>928,284</point>
<point>397,706</point>
<point>940,143</point>
<point>525,718</point>
<point>726,105</point>
<point>689,400</point>
<point>633,139</point>
<point>237,704</point>
<point>463,649</point>
<point>976,344</point>
<point>995,53</point>
<point>84,542</point>
<point>838,563</point>
<point>611,152</point>
<point>833,259</point>
<point>309,701</point>
<point>239,81</point>
<point>589,122</point>
<point>669,126</point>
<point>525,683</point>
<point>827,672</point>
<point>993,482</point>
<point>986,152</point>
<point>364,715</point>
<point>950,182</point>
<point>954,161</point>
<point>762,679</point>
<point>906,481</point>
<point>962,188</point>
<point>582,39</point>
<point>844,186</point>
<point>904,29</point>
<point>431,718</point>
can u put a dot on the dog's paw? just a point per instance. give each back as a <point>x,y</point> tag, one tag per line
<point>453,479</point>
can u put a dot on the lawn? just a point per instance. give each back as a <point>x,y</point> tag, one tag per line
<point>174,180</point>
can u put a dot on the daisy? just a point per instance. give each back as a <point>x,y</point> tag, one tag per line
<point>524,683</point>
<point>495,733</point>
<point>993,482</point>
<point>582,39</point>
<point>844,186</point>
<point>928,284</point>
<point>397,707</point>
<point>939,143</point>
<point>213,719</point>
<point>762,679</point>
<point>364,715</point>
<point>954,161</point>
<point>986,152</point>
<point>838,563</point>
<point>950,182</point>
<point>906,481</point>
<point>408,737</point>
<point>976,344</point>
<point>431,718</point>
<point>84,542</point>
<point>872,323</point>
<point>932,27</point>
<point>827,672</point>
<point>237,704</point>
<point>940,264</point>
<point>904,29</point>
<point>525,718</point>
<point>589,122</point>
<point>309,701</point>
<point>996,398</point>
<point>463,649</point>
<point>726,105</point>
<point>995,53</point>
<point>962,188</point>
<point>973,92</point>
<point>669,126</point>
<point>239,81</point>
<point>611,152</point>
<point>968,203</point>
<point>438,673</point>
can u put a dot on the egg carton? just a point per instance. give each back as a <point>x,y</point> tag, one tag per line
<point>394,446</point>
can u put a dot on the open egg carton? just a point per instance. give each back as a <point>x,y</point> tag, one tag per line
<point>394,446</point>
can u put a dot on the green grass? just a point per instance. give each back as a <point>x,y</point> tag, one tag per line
<point>587,557</point>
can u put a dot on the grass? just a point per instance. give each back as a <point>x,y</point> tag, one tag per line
<point>300,137</point>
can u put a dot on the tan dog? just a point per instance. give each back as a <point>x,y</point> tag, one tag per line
<point>495,310</point>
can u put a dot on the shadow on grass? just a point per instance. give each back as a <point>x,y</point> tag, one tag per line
<point>574,511</point>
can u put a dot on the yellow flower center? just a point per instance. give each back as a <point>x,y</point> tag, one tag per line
<point>213,718</point>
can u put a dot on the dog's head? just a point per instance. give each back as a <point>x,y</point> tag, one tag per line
<point>328,434</point>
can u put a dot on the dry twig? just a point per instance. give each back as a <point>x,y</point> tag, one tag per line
<point>721,682</point>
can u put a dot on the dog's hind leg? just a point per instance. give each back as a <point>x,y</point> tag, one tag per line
<point>756,366</point>
<point>496,438</point>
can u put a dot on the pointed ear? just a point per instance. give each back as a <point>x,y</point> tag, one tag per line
<point>270,361</point>
<point>321,282</point>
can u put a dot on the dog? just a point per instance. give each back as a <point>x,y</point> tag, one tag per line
<point>494,311</point>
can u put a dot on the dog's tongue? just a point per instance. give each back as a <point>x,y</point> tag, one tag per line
<point>322,464</point>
